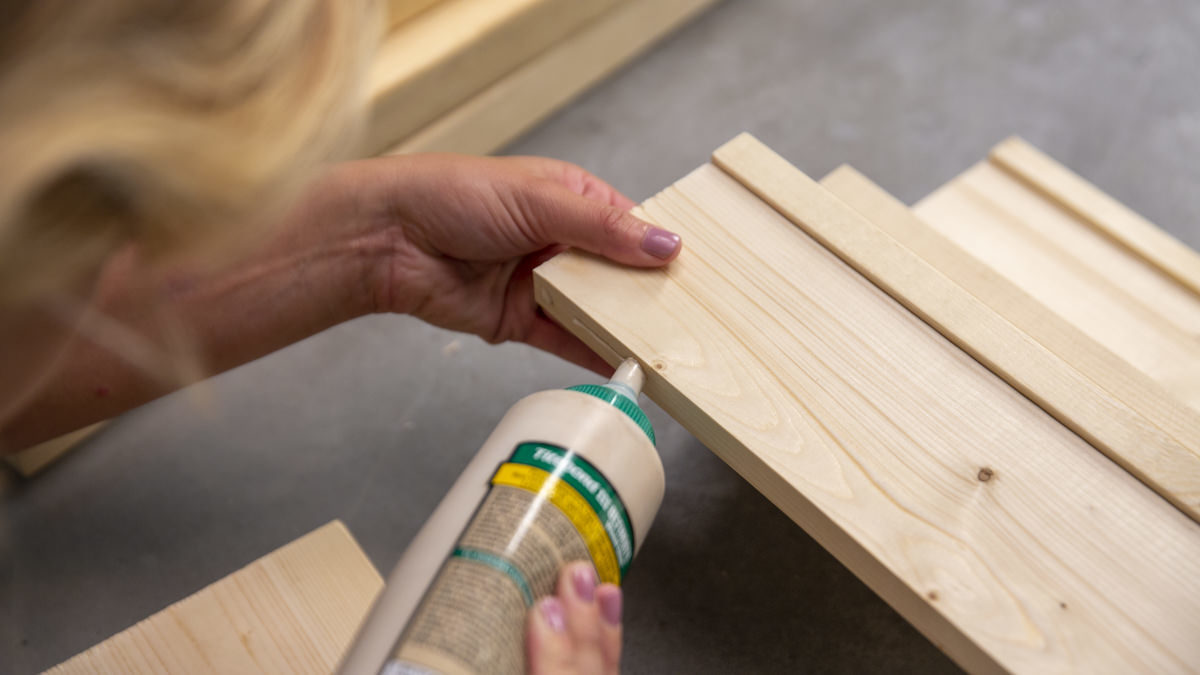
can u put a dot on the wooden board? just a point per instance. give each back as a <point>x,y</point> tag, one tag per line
<point>999,533</point>
<point>31,461</point>
<point>292,611</point>
<point>518,101</point>
<point>399,11</point>
<point>1103,213</point>
<point>1146,431</point>
<point>1109,292</point>
<point>443,56</point>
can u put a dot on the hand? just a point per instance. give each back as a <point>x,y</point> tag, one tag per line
<point>576,631</point>
<point>463,235</point>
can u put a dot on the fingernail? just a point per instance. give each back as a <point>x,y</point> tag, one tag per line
<point>660,243</point>
<point>585,582</point>
<point>552,611</point>
<point>610,607</point>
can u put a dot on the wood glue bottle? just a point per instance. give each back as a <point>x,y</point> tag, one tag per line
<point>569,474</point>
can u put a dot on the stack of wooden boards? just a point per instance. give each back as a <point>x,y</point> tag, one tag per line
<point>985,407</point>
<point>472,75</point>
<point>935,394</point>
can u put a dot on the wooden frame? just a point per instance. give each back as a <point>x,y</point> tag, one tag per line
<point>519,101</point>
<point>443,56</point>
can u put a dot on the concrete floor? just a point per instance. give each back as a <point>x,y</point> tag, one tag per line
<point>370,422</point>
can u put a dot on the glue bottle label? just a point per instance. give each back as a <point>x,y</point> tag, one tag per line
<point>547,506</point>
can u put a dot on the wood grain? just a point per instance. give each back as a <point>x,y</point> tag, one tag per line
<point>292,611</point>
<point>1167,461</point>
<point>1007,539</point>
<point>1110,294</point>
<point>443,56</point>
<point>1106,215</point>
<point>1131,433</point>
<point>518,101</point>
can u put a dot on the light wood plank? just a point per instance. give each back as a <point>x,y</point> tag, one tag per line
<point>1129,428</point>
<point>1132,309</point>
<point>520,100</point>
<point>1169,463</point>
<point>443,56</point>
<point>1007,539</point>
<point>31,461</point>
<point>292,611</point>
<point>1091,205</point>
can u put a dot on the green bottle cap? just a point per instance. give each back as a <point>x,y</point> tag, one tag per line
<point>621,402</point>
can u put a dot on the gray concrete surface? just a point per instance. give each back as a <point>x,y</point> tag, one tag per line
<point>370,422</point>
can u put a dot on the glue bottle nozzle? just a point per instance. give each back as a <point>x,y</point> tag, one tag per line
<point>628,380</point>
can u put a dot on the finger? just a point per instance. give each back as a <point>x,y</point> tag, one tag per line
<point>550,337</point>
<point>525,321</point>
<point>554,214</point>
<point>576,179</point>
<point>610,600</point>
<point>547,643</point>
<point>577,590</point>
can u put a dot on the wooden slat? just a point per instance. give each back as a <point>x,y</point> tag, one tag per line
<point>31,461</point>
<point>292,611</point>
<point>518,101</point>
<point>443,56</point>
<point>1003,536</point>
<point>1112,295</point>
<point>1169,463</point>
<point>1087,387</point>
<point>1108,216</point>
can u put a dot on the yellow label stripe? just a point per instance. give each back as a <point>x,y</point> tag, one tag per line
<point>573,505</point>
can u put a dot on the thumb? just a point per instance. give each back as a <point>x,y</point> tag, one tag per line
<point>560,216</point>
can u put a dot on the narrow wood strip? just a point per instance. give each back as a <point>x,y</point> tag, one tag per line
<point>1071,348</point>
<point>1167,464</point>
<point>1109,216</point>
<point>998,532</point>
<point>294,610</point>
<point>1106,291</point>
<point>517,102</point>
<point>443,56</point>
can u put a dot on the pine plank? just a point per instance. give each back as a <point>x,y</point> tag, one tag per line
<point>441,57</point>
<point>1091,205</point>
<point>1003,536</point>
<point>1112,295</point>
<point>294,610</point>
<point>1168,460</point>
<point>517,102</point>
<point>1150,408</point>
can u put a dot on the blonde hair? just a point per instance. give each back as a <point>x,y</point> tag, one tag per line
<point>166,123</point>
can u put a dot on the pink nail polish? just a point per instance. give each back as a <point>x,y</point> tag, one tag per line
<point>552,610</point>
<point>585,582</point>
<point>610,607</point>
<point>660,243</point>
